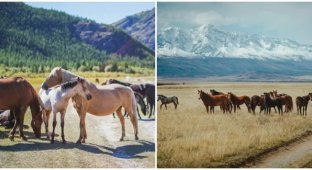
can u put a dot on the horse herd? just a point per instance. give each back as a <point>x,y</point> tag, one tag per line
<point>229,102</point>
<point>60,86</point>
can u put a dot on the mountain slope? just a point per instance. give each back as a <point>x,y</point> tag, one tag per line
<point>141,26</point>
<point>33,37</point>
<point>210,41</point>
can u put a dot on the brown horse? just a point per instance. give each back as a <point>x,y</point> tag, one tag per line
<point>215,92</point>
<point>105,100</point>
<point>286,100</point>
<point>211,101</point>
<point>302,103</point>
<point>17,94</point>
<point>257,101</point>
<point>239,100</point>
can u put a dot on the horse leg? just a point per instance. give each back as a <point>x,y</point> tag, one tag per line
<point>122,122</point>
<point>161,106</point>
<point>134,122</point>
<point>151,110</point>
<point>114,114</point>
<point>21,122</point>
<point>17,120</point>
<point>54,124</point>
<point>46,122</point>
<point>62,125</point>
<point>166,106</point>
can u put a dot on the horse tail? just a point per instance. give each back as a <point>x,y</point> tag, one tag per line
<point>291,103</point>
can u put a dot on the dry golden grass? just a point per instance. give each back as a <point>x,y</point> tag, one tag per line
<point>189,137</point>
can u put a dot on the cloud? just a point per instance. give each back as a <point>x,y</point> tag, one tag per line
<point>281,20</point>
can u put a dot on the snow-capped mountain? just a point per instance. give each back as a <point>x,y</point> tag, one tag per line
<point>209,41</point>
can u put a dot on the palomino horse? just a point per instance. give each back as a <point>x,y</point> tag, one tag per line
<point>146,90</point>
<point>302,103</point>
<point>286,100</point>
<point>211,101</point>
<point>17,94</point>
<point>239,100</point>
<point>56,100</point>
<point>167,100</point>
<point>105,100</point>
<point>269,102</point>
<point>257,101</point>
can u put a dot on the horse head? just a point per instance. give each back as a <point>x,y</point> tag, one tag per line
<point>54,78</point>
<point>310,95</point>
<point>85,88</point>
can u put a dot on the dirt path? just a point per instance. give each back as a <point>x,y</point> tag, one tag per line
<point>296,154</point>
<point>102,148</point>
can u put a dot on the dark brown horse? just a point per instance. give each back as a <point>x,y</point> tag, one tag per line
<point>239,100</point>
<point>302,103</point>
<point>257,101</point>
<point>286,100</point>
<point>211,101</point>
<point>269,102</point>
<point>17,94</point>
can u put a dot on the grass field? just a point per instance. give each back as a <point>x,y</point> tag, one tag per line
<point>189,137</point>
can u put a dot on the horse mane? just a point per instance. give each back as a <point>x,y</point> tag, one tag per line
<point>114,81</point>
<point>67,75</point>
<point>69,85</point>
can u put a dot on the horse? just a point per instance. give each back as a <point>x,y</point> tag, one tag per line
<point>167,100</point>
<point>16,95</point>
<point>105,100</point>
<point>141,103</point>
<point>56,100</point>
<point>302,103</point>
<point>146,90</point>
<point>286,100</point>
<point>239,100</point>
<point>214,93</point>
<point>269,102</point>
<point>257,101</point>
<point>217,100</point>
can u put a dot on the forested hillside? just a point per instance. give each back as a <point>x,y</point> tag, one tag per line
<point>36,40</point>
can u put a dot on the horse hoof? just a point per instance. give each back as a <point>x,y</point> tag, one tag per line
<point>121,139</point>
<point>136,138</point>
<point>64,142</point>
<point>78,142</point>
<point>83,141</point>
<point>11,137</point>
<point>24,138</point>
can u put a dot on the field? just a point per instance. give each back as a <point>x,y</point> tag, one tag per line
<point>101,150</point>
<point>189,137</point>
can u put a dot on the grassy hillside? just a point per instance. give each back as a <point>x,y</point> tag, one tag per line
<point>36,40</point>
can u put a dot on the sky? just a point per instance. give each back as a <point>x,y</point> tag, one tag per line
<point>102,12</point>
<point>279,20</point>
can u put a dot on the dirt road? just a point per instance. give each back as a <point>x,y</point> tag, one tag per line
<point>102,148</point>
<point>296,154</point>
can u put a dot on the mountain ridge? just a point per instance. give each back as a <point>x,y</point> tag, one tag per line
<point>209,41</point>
<point>140,26</point>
